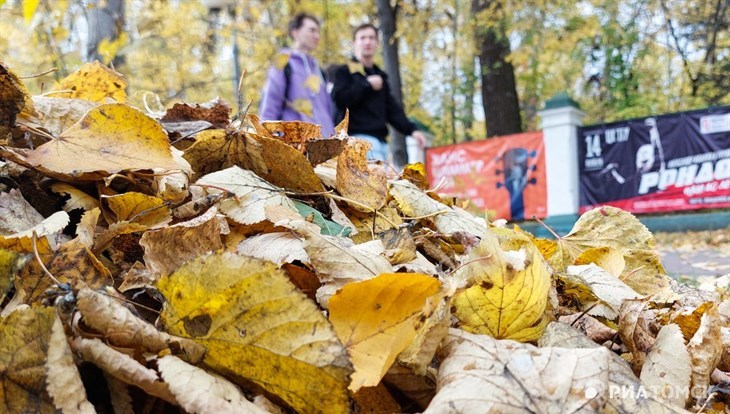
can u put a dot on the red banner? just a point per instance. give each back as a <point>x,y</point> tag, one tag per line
<point>505,175</point>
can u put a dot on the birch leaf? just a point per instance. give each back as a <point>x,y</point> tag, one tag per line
<point>257,326</point>
<point>364,185</point>
<point>252,195</point>
<point>376,319</point>
<point>54,114</point>
<point>62,377</point>
<point>25,336</point>
<point>481,374</point>
<point>668,366</point>
<point>93,82</point>
<point>198,391</point>
<point>504,298</point>
<point>609,289</point>
<point>413,202</point>
<point>278,248</point>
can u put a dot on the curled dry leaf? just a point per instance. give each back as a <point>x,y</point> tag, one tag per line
<point>252,195</point>
<point>62,377</point>
<point>257,327</point>
<point>93,82</point>
<point>13,96</point>
<point>278,248</point>
<point>608,288</point>
<point>668,367</point>
<point>197,391</point>
<point>481,374</point>
<point>167,248</point>
<point>420,352</point>
<point>634,330</point>
<point>77,198</point>
<point>377,319</point>
<point>122,367</point>
<point>590,326</point>
<point>216,112</point>
<point>363,187</point>
<point>413,202</point>
<point>706,349</point>
<point>121,328</point>
<point>16,214</point>
<point>54,114</point>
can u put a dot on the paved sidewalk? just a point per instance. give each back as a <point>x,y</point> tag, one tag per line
<point>700,256</point>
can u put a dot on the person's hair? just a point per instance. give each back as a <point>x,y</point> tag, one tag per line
<point>363,27</point>
<point>298,20</point>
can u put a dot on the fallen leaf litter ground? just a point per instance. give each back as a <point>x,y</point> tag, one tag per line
<point>203,265</point>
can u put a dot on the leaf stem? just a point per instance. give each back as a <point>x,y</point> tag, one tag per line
<point>40,262</point>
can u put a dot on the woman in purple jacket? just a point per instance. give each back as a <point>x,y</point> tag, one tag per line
<point>298,91</point>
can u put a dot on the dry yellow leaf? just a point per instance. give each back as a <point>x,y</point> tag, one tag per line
<point>601,227</point>
<point>341,128</point>
<point>607,258</point>
<point>293,132</point>
<point>10,263</point>
<point>86,229</point>
<point>93,82</point>
<point>507,292</point>
<point>258,327</point>
<point>24,341</point>
<point>416,174</point>
<point>606,287</point>
<point>365,186</point>
<point>376,319</point>
<point>706,348</point>
<point>420,352</point>
<point>138,208</point>
<point>689,320</point>
<point>108,139</point>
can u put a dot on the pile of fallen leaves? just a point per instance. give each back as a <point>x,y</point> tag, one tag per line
<point>182,261</point>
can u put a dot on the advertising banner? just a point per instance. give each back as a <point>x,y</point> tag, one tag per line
<point>505,175</point>
<point>657,164</point>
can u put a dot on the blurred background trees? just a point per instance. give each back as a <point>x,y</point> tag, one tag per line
<point>468,68</point>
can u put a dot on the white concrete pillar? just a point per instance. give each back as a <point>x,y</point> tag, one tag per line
<point>559,123</point>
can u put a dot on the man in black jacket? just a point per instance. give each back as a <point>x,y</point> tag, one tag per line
<point>362,87</point>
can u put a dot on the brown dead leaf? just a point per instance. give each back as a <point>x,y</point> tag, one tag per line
<point>376,400</point>
<point>634,330</point>
<point>399,246</point>
<point>216,112</point>
<point>167,248</point>
<point>269,158</point>
<point>419,388</point>
<point>13,96</point>
<point>321,150</point>
<point>295,133</point>
<point>363,187</point>
<point>93,82</point>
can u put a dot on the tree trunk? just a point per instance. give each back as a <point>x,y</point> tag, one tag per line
<point>104,23</point>
<point>387,16</point>
<point>499,90</point>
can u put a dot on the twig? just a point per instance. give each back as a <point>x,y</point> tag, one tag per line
<point>547,227</point>
<point>478,259</point>
<point>426,216</point>
<point>59,91</point>
<point>131,302</point>
<point>40,262</point>
<point>381,215</point>
<point>37,131</point>
<point>38,74</point>
<point>584,313</point>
